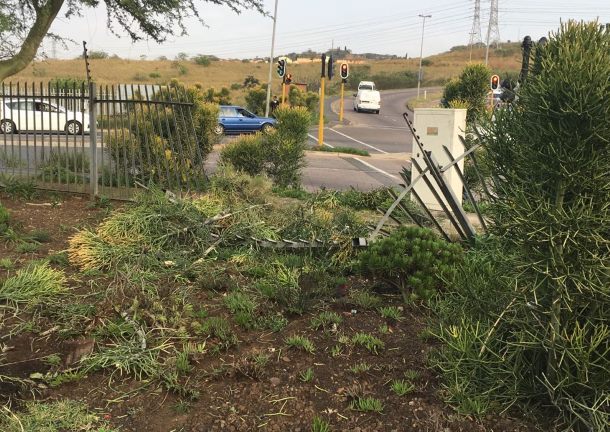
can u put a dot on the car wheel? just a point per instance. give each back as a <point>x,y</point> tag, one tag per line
<point>219,129</point>
<point>7,127</point>
<point>377,111</point>
<point>74,128</point>
<point>267,127</point>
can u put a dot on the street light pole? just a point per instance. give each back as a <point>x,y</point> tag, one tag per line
<point>421,50</point>
<point>271,62</point>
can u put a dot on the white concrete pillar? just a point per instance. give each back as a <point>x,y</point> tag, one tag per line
<point>437,127</point>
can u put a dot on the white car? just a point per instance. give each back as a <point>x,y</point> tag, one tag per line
<point>21,115</point>
<point>367,98</point>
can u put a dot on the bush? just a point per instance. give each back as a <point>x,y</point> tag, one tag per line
<point>98,55</point>
<point>251,81</point>
<point>526,321</point>
<point>470,89</point>
<point>309,100</point>
<point>202,60</point>
<point>410,259</point>
<point>68,83</point>
<point>256,100</point>
<point>182,70</point>
<point>167,151</point>
<point>279,154</point>
<point>154,75</point>
<point>247,154</point>
<point>286,147</point>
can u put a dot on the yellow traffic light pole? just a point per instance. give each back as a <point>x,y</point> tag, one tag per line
<point>283,92</point>
<point>342,102</point>
<point>321,123</point>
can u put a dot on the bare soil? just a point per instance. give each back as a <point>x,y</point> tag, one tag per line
<point>234,396</point>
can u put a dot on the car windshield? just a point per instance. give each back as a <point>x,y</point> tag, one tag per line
<point>366,87</point>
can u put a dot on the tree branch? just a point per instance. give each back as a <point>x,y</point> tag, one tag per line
<point>45,15</point>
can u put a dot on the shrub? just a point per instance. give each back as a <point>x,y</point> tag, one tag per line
<point>286,150</point>
<point>67,83</point>
<point>256,100</point>
<point>202,60</point>
<point>167,151</point>
<point>471,88</point>
<point>410,259</point>
<point>98,55</point>
<point>525,319</point>
<point>251,81</point>
<point>309,100</point>
<point>247,154</point>
<point>154,75</point>
<point>279,154</point>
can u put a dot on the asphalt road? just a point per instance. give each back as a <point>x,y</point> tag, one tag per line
<point>385,136</point>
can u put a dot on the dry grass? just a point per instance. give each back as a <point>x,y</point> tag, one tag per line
<point>224,73</point>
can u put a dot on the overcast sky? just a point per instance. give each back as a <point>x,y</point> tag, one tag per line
<point>380,26</point>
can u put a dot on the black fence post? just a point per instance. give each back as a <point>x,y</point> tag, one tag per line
<point>93,141</point>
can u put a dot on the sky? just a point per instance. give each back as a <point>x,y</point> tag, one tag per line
<point>380,26</point>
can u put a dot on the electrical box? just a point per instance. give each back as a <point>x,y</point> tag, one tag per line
<point>437,127</point>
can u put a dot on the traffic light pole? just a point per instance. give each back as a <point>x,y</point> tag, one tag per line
<point>321,123</point>
<point>283,91</point>
<point>271,63</point>
<point>342,102</point>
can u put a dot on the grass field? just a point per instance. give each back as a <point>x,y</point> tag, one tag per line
<point>231,74</point>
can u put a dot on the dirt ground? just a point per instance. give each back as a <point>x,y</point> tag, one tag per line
<point>234,394</point>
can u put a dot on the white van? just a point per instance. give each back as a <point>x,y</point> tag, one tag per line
<point>367,98</point>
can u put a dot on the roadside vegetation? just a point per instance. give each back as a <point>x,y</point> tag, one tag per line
<point>252,305</point>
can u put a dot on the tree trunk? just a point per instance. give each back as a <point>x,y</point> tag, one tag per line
<point>45,15</point>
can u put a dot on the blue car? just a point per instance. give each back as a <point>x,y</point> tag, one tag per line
<point>236,120</point>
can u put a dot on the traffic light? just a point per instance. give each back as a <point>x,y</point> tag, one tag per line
<point>288,79</point>
<point>281,68</point>
<point>495,82</point>
<point>344,72</point>
<point>331,71</point>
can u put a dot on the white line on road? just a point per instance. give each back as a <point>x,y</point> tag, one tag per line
<point>316,140</point>
<point>359,142</point>
<point>376,169</point>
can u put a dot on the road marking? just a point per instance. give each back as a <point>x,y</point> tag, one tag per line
<point>359,142</point>
<point>316,140</point>
<point>376,169</point>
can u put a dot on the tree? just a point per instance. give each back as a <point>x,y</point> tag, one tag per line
<point>24,24</point>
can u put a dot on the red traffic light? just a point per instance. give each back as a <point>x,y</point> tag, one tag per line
<point>344,72</point>
<point>288,78</point>
<point>495,82</point>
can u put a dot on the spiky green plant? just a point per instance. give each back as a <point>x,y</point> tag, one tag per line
<point>325,320</point>
<point>402,387</point>
<point>527,319</point>
<point>34,284</point>
<point>301,342</point>
<point>366,404</point>
<point>368,341</point>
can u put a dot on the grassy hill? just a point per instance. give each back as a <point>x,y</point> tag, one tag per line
<point>231,74</point>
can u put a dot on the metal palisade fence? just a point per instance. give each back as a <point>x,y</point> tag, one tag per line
<point>103,140</point>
